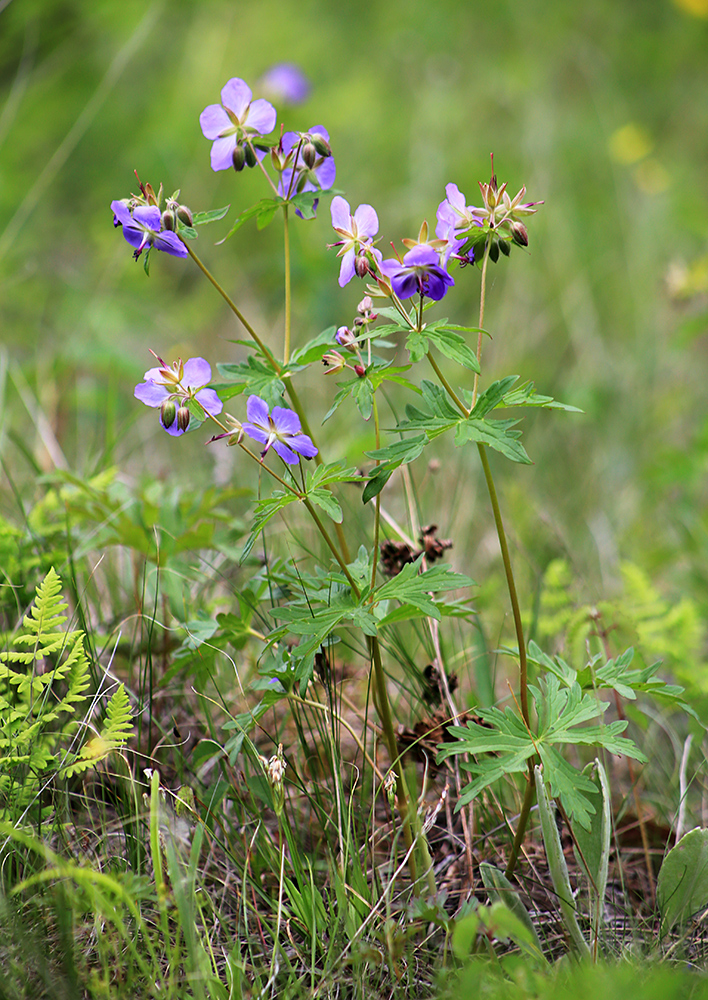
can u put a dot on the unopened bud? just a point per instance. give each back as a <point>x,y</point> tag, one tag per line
<point>494,251</point>
<point>390,788</point>
<point>359,322</point>
<point>365,306</point>
<point>168,412</point>
<point>320,144</point>
<point>504,247</point>
<point>519,234</point>
<point>184,215</point>
<point>275,770</point>
<point>168,220</point>
<point>309,154</point>
<point>238,158</point>
<point>361,265</point>
<point>360,370</point>
<point>183,418</point>
<point>251,158</point>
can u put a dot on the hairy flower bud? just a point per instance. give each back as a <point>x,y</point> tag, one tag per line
<point>365,306</point>
<point>320,144</point>
<point>360,370</point>
<point>238,158</point>
<point>251,159</point>
<point>519,234</point>
<point>168,412</point>
<point>184,215</point>
<point>361,265</point>
<point>168,220</point>
<point>309,154</point>
<point>183,418</point>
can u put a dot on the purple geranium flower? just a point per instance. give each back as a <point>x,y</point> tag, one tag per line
<point>142,229</point>
<point>420,272</point>
<point>318,177</point>
<point>454,214</point>
<point>234,121</point>
<point>280,429</point>
<point>357,232</point>
<point>171,388</point>
<point>286,83</point>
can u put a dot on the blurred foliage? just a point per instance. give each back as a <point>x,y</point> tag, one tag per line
<point>608,312</point>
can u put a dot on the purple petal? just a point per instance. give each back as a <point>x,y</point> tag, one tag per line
<point>197,372</point>
<point>209,401</point>
<point>150,393</point>
<point>222,152</point>
<point>367,221</point>
<point>214,120</point>
<point>289,140</point>
<point>303,444</point>
<point>405,285</point>
<point>341,213</point>
<point>257,433</point>
<point>135,236</point>
<point>420,256</point>
<point>170,242</point>
<point>148,216</point>
<point>319,130</point>
<point>174,429</point>
<point>121,213</point>
<point>262,117</point>
<point>154,375</point>
<point>286,421</point>
<point>326,173</point>
<point>285,453</point>
<point>236,96</point>
<point>257,411</point>
<point>347,270</point>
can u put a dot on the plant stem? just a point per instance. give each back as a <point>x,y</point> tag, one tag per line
<point>234,308</point>
<point>446,385</point>
<point>523,821</point>
<point>286,247</point>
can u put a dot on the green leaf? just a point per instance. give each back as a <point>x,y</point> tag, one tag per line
<point>498,434</point>
<point>412,587</point>
<point>204,218</point>
<point>492,396</point>
<point>305,203</point>
<point>324,499</point>
<point>452,345</point>
<point>264,512</point>
<point>264,206</point>
<point>313,350</point>
<point>682,886</point>
<point>526,395</point>
<point>391,457</point>
<point>254,377</point>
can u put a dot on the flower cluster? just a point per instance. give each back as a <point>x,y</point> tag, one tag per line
<point>234,124</point>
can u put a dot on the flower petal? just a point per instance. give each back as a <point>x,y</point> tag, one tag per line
<point>302,444</point>
<point>286,421</point>
<point>121,213</point>
<point>341,213</point>
<point>285,453</point>
<point>170,242</point>
<point>236,96</point>
<point>150,393</point>
<point>257,411</point>
<point>214,120</point>
<point>209,401</point>
<point>261,117</point>
<point>347,270</point>
<point>149,216</point>
<point>326,173</point>
<point>222,153</point>
<point>197,372</point>
<point>367,221</point>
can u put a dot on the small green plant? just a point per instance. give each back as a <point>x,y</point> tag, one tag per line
<point>47,726</point>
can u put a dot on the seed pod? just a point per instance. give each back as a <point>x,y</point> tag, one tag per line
<point>309,154</point>
<point>238,158</point>
<point>168,220</point>
<point>184,215</point>
<point>320,144</point>
<point>183,418</point>
<point>168,412</point>
<point>251,159</point>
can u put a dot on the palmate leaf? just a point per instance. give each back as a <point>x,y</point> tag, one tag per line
<point>362,388</point>
<point>562,713</point>
<point>253,377</point>
<point>446,339</point>
<point>497,434</point>
<point>412,587</point>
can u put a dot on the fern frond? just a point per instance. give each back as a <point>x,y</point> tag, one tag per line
<point>117,728</point>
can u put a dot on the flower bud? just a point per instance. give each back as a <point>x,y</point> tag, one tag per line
<point>361,265</point>
<point>309,154</point>
<point>183,418</point>
<point>251,159</point>
<point>504,247</point>
<point>360,370</point>
<point>320,144</point>
<point>345,337</point>
<point>334,361</point>
<point>238,158</point>
<point>365,306</point>
<point>168,412</point>
<point>390,782</point>
<point>168,220</point>
<point>519,234</point>
<point>184,215</point>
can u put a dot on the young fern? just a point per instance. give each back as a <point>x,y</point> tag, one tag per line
<point>44,685</point>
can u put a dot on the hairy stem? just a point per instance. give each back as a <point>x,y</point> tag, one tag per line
<point>286,247</point>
